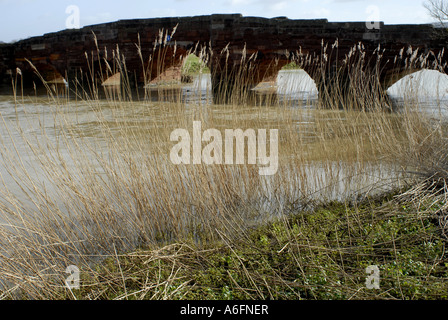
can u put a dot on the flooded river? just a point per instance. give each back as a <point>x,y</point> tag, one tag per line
<point>39,132</point>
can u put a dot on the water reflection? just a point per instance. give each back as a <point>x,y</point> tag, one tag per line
<point>426,88</point>
<point>294,87</point>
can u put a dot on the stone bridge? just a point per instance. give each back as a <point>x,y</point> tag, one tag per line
<point>235,47</point>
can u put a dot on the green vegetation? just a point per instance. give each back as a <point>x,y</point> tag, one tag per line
<point>194,65</point>
<point>291,66</point>
<point>317,254</point>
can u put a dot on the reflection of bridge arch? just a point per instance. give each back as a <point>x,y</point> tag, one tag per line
<point>420,84</point>
<point>304,83</point>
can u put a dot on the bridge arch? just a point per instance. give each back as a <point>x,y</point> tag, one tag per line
<point>165,58</point>
<point>41,72</point>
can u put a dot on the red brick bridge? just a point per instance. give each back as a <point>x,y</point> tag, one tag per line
<point>236,47</point>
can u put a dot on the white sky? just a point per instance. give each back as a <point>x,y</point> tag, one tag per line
<point>20,19</point>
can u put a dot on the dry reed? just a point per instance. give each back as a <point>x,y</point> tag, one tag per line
<point>96,182</point>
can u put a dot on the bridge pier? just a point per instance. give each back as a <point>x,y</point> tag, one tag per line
<point>231,90</point>
<point>234,77</point>
<point>343,90</point>
<point>333,89</point>
<point>233,81</point>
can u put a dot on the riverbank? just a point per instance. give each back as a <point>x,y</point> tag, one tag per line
<point>318,254</point>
